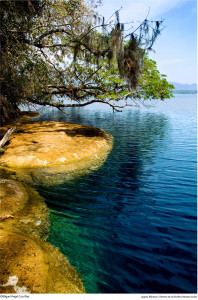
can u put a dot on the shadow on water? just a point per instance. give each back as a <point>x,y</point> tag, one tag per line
<point>120,226</point>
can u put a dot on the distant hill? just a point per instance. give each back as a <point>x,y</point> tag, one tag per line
<point>186,87</point>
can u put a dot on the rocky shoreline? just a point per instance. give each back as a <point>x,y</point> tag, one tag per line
<point>41,153</point>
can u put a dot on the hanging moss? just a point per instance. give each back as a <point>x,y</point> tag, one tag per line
<point>126,56</point>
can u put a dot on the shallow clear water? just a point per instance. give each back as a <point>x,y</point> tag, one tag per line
<point>130,227</point>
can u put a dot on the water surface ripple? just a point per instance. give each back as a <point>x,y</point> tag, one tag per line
<point>130,227</point>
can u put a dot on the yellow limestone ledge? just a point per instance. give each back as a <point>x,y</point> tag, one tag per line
<point>34,266</point>
<point>51,152</point>
<point>13,196</point>
<point>29,213</point>
<point>28,263</point>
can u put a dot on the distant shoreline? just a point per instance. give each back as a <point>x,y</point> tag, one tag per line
<point>185,92</point>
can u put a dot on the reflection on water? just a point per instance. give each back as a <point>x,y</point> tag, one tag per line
<point>130,227</point>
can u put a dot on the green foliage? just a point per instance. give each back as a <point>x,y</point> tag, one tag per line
<point>17,58</point>
<point>153,85</point>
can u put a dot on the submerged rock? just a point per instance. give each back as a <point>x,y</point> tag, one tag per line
<point>51,152</point>
<point>34,266</point>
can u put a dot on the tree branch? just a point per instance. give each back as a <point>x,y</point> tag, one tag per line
<point>59,30</point>
<point>6,137</point>
<point>60,106</point>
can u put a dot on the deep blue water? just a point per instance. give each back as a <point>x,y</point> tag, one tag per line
<point>131,226</point>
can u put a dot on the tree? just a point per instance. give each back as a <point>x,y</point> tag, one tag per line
<point>57,49</point>
<point>16,20</point>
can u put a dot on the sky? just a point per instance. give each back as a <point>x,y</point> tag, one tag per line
<point>176,47</point>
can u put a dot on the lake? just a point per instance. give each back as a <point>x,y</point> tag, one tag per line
<point>131,226</point>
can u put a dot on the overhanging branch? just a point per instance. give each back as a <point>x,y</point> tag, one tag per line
<point>113,105</point>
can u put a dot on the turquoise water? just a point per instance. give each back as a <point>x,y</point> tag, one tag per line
<point>130,227</point>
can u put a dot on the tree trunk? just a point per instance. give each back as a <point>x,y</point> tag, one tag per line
<point>8,110</point>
